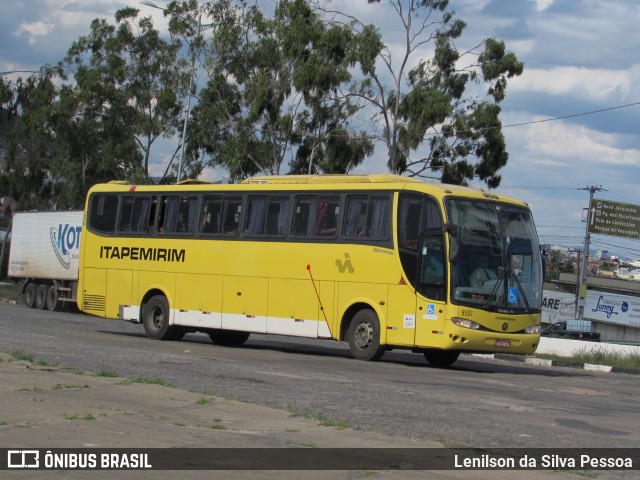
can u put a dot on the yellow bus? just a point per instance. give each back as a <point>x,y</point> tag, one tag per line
<point>379,261</point>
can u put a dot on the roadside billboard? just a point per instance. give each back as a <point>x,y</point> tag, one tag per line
<point>612,308</point>
<point>558,307</point>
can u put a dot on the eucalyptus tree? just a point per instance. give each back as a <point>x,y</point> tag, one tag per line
<point>435,118</point>
<point>26,139</point>
<point>272,94</point>
<point>128,91</point>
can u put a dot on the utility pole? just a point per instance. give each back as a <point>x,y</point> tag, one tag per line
<point>581,294</point>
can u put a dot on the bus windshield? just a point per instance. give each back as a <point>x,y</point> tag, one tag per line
<point>496,261</point>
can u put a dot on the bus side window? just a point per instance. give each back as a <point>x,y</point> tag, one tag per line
<point>367,217</point>
<point>379,218</point>
<point>303,214</point>
<point>355,216</point>
<point>211,215</point>
<point>178,214</point>
<point>328,214</point>
<point>187,215</point>
<point>277,216</point>
<point>102,213</point>
<point>231,211</point>
<point>256,215</point>
<point>135,214</point>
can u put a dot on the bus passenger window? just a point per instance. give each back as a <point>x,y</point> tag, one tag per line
<point>178,214</point>
<point>135,214</point>
<point>256,215</point>
<point>211,215</point>
<point>231,210</point>
<point>327,222</point>
<point>303,213</point>
<point>102,213</point>
<point>367,217</point>
<point>277,216</point>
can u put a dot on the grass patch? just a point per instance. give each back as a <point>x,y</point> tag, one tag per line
<point>77,416</point>
<point>599,356</point>
<point>204,401</point>
<point>148,381</point>
<point>20,355</point>
<point>30,389</point>
<point>44,363</point>
<point>27,357</point>
<point>60,386</point>
<point>106,373</point>
<point>216,427</point>
<point>319,417</point>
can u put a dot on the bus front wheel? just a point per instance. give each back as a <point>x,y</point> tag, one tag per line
<point>155,318</point>
<point>364,336</point>
<point>441,358</point>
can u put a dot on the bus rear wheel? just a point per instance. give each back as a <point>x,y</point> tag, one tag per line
<point>41,296</point>
<point>155,317</point>
<point>441,358</point>
<point>30,295</point>
<point>364,336</point>
<point>228,338</point>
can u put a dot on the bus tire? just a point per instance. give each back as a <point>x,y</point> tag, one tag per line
<point>30,295</point>
<point>155,317</point>
<point>41,296</point>
<point>53,300</point>
<point>364,336</point>
<point>228,338</point>
<point>441,358</point>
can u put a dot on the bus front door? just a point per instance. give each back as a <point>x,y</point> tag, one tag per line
<point>431,291</point>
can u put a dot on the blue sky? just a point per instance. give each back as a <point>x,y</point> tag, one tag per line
<point>580,56</point>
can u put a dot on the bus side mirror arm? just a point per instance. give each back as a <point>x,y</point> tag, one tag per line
<point>454,241</point>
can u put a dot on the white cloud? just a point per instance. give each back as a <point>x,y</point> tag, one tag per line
<point>564,142</point>
<point>543,4</point>
<point>34,30</point>
<point>598,84</point>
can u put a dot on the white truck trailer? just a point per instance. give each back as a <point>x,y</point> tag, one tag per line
<point>44,252</point>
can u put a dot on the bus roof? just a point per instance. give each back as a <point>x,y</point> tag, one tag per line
<point>315,179</point>
<point>359,182</point>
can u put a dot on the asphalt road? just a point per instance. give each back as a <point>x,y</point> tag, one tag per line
<point>478,402</point>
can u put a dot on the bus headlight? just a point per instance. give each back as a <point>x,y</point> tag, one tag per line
<point>534,329</point>
<point>464,323</point>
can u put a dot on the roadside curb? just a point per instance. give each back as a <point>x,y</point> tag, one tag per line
<point>543,362</point>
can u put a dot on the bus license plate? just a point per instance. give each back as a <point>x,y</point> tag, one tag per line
<point>503,343</point>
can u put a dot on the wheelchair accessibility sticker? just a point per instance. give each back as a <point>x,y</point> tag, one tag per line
<point>431,312</point>
<point>513,295</point>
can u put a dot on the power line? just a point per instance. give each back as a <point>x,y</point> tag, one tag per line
<point>571,116</point>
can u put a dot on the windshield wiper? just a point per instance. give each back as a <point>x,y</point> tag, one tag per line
<point>520,289</point>
<point>495,288</point>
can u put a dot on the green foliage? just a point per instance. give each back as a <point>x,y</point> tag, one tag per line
<point>280,90</point>
<point>126,95</point>
<point>274,93</point>
<point>27,140</point>
<point>432,125</point>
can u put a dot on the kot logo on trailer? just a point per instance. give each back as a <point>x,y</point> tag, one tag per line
<point>65,238</point>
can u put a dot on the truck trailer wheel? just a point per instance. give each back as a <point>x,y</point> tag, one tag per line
<point>53,301</point>
<point>41,296</point>
<point>30,295</point>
